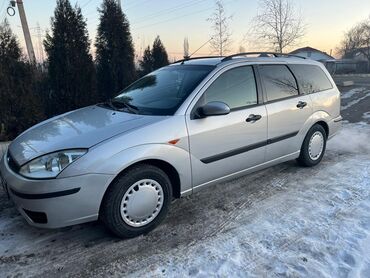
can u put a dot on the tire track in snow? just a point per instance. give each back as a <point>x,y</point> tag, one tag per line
<point>356,100</point>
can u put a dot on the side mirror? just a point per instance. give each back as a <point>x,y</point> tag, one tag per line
<point>213,108</point>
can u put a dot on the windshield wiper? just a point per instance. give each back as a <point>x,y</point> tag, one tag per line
<point>119,105</point>
<point>108,104</point>
<point>132,108</point>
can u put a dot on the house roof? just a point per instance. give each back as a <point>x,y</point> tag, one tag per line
<point>310,49</point>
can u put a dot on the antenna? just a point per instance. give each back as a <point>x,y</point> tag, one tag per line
<point>186,48</point>
<point>198,49</point>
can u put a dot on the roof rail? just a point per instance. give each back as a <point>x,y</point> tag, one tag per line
<point>195,58</point>
<point>261,54</point>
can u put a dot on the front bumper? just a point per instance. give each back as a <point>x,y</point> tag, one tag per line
<point>61,201</point>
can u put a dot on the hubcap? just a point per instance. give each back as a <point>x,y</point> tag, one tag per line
<point>316,145</point>
<point>142,202</point>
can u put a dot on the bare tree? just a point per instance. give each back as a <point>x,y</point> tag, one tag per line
<point>279,24</point>
<point>349,43</point>
<point>357,41</point>
<point>221,38</point>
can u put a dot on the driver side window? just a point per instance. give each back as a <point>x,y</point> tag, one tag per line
<point>235,87</point>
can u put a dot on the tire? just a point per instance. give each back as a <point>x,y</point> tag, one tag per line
<point>311,157</point>
<point>123,195</point>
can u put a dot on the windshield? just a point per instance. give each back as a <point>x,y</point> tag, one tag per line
<point>163,91</point>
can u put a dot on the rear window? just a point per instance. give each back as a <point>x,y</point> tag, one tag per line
<point>278,81</point>
<point>311,78</point>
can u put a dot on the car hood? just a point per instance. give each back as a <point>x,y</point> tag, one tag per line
<point>81,128</point>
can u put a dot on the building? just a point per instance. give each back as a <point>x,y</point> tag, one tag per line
<point>312,53</point>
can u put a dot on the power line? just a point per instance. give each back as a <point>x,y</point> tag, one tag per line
<point>40,46</point>
<point>168,10</point>
<point>171,19</point>
<point>127,7</point>
<point>175,18</point>
<point>91,13</point>
<point>86,4</point>
<point>158,13</point>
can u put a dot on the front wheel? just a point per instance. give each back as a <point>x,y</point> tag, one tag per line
<point>313,147</point>
<point>137,201</point>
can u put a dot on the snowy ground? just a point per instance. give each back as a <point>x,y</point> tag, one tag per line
<point>282,221</point>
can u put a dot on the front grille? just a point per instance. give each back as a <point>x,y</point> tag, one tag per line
<point>12,164</point>
<point>37,217</point>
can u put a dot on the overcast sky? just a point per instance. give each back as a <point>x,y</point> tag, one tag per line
<point>326,21</point>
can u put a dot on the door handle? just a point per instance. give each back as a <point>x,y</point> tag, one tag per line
<point>253,118</point>
<point>301,104</point>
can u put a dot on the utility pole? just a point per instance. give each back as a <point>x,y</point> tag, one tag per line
<point>26,32</point>
<point>119,4</point>
<point>40,48</point>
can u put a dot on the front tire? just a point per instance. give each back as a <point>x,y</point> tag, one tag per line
<point>137,201</point>
<point>313,147</point>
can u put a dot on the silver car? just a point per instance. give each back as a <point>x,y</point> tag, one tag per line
<point>191,124</point>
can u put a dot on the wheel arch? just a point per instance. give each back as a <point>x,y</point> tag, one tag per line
<point>165,166</point>
<point>324,125</point>
<point>321,118</point>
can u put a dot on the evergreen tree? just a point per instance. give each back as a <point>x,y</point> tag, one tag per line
<point>20,105</point>
<point>159,54</point>
<point>154,58</point>
<point>71,71</point>
<point>146,64</point>
<point>114,51</point>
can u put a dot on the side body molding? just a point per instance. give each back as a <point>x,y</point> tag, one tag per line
<point>176,156</point>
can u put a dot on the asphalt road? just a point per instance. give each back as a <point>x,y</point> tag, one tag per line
<point>90,250</point>
<point>354,113</point>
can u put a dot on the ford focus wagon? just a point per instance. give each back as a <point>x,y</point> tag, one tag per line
<point>191,124</point>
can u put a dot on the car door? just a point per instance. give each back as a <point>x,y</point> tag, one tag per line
<point>287,110</point>
<point>223,145</point>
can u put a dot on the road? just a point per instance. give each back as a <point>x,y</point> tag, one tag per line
<point>361,97</point>
<point>282,221</point>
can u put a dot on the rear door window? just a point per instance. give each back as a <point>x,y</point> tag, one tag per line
<point>278,81</point>
<point>311,78</point>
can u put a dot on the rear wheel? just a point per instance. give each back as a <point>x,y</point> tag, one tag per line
<point>137,201</point>
<point>313,147</point>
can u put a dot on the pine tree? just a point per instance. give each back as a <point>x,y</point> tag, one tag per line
<point>159,54</point>
<point>71,72</point>
<point>20,105</point>
<point>146,64</point>
<point>114,51</point>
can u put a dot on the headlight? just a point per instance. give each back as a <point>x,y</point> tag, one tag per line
<point>50,165</point>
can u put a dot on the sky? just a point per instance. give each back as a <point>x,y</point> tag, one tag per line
<point>173,20</point>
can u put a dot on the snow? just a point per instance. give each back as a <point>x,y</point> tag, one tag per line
<point>351,93</point>
<point>364,94</point>
<point>353,138</point>
<point>366,116</point>
<point>282,221</point>
<point>319,225</point>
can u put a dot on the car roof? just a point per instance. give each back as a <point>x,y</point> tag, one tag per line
<point>223,61</point>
